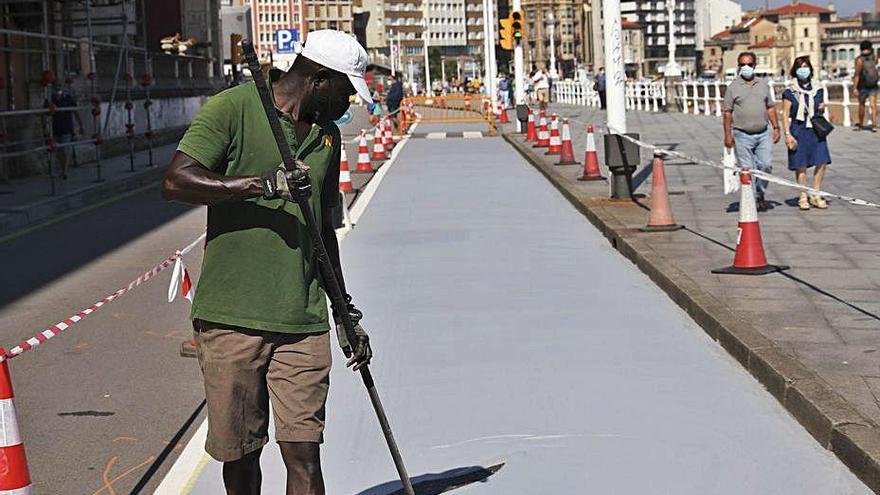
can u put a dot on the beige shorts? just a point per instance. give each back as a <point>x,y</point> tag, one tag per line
<point>543,95</point>
<point>244,369</point>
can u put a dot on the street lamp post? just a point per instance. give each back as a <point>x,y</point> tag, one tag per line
<point>672,68</point>
<point>391,51</point>
<point>427,66</point>
<point>551,23</point>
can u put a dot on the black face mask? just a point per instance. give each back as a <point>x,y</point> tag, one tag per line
<point>324,105</point>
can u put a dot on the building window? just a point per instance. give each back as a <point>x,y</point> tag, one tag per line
<point>806,32</point>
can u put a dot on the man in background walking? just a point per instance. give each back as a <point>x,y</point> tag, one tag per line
<point>865,85</point>
<point>63,130</point>
<point>600,87</point>
<point>748,107</point>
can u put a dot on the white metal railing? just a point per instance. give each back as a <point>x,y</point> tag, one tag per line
<point>698,97</point>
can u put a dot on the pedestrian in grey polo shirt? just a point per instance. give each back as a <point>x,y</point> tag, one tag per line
<point>748,107</point>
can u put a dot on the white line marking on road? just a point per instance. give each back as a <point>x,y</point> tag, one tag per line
<point>435,135</point>
<point>187,468</point>
<point>472,135</point>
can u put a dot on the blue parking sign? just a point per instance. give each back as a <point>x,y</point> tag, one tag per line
<point>285,40</point>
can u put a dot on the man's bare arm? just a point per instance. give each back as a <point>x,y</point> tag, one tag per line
<point>328,235</point>
<point>728,129</point>
<point>189,181</point>
<point>858,71</point>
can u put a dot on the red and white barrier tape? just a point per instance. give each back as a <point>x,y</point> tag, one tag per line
<point>69,322</point>
<point>754,172</point>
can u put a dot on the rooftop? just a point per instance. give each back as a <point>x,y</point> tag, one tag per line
<point>798,8</point>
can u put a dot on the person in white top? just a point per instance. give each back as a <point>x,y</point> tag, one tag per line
<point>542,87</point>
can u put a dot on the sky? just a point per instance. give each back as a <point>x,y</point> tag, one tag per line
<point>844,7</point>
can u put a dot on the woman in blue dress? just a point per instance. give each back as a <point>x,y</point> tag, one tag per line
<point>800,102</point>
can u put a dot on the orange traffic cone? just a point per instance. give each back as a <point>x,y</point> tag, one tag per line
<point>502,114</point>
<point>14,476</point>
<point>555,142</point>
<point>660,217</point>
<point>345,185</point>
<point>363,163</point>
<point>566,156</point>
<point>591,159</point>
<point>378,148</point>
<point>543,134</point>
<point>749,258</point>
<point>531,132</point>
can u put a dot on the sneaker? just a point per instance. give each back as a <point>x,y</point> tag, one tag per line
<point>762,204</point>
<point>857,127</point>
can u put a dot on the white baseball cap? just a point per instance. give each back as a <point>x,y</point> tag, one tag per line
<point>341,52</point>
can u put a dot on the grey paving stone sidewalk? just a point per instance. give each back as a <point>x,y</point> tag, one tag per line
<point>825,311</point>
<point>29,201</point>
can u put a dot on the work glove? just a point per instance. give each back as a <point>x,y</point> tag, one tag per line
<point>290,185</point>
<point>361,353</point>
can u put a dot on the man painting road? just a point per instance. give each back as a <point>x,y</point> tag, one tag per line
<point>260,312</point>
<point>748,106</point>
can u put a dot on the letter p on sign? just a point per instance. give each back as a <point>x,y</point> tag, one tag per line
<point>285,40</point>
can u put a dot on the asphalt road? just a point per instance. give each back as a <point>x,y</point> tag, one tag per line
<point>105,407</point>
<point>508,331</point>
<point>99,402</point>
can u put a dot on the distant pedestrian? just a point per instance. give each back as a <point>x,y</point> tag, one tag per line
<point>801,102</point>
<point>63,130</point>
<point>542,87</point>
<point>599,87</point>
<point>375,108</point>
<point>394,96</point>
<point>504,90</point>
<point>748,106</point>
<point>865,84</point>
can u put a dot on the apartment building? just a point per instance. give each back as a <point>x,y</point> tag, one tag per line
<point>454,27</point>
<point>653,16</point>
<point>569,34</point>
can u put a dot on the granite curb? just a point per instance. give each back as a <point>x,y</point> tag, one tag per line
<point>35,212</point>
<point>829,418</point>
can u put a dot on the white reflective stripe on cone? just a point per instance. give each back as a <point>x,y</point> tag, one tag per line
<point>344,176</point>
<point>591,142</point>
<point>566,132</point>
<point>748,212</point>
<point>9,434</point>
<point>18,491</point>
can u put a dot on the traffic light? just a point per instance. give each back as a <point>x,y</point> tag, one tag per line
<point>235,47</point>
<point>517,25</point>
<point>506,34</point>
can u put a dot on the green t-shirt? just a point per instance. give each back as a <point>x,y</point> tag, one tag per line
<point>259,270</point>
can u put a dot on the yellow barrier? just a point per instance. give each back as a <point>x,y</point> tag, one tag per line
<point>448,109</point>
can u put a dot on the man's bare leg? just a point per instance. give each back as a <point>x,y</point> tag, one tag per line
<point>861,114</point>
<point>874,121</point>
<point>303,462</point>
<point>243,477</point>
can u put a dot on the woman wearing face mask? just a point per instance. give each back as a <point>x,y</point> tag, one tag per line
<point>801,101</point>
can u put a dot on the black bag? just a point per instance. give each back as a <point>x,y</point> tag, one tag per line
<point>821,126</point>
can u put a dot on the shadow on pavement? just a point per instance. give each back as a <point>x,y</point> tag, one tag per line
<point>797,279</point>
<point>38,257</point>
<point>436,483</point>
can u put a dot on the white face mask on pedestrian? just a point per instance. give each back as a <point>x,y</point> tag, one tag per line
<point>747,72</point>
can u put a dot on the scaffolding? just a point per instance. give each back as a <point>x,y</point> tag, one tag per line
<point>75,43</point>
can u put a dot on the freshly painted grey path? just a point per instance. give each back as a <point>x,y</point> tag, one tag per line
<point>506,329</point>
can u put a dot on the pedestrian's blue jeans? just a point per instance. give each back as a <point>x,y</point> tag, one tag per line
<point>754,151</point>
